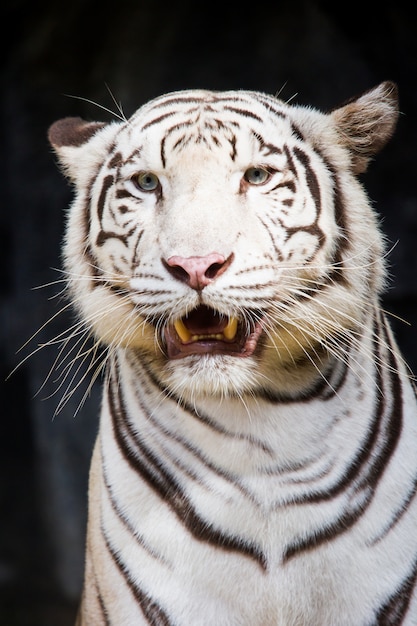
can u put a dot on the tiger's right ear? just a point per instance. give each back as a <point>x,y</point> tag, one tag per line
<point>71,138</point>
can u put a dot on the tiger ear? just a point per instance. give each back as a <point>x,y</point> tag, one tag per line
<point>366,123</point>
<point>70,138</point>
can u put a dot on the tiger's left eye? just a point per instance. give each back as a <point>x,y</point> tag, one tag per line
<point>147,181</point>
<point>256,175</point>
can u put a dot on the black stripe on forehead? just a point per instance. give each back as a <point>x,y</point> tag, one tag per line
<point>210,113</point>
<point>164,116</point>
<point>243,112</point>
<point>266,147</point>
<point>214,103</point>
<point>177,99</point>
<point>212,120</point>
<point>271,104</point>
<point>197,130</point>
<point>165,102</point>
<point>240,103</point>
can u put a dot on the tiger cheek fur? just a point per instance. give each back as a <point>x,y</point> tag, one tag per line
<point>256,459</point>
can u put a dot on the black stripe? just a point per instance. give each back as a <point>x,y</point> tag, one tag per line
<point>201,417</point>
<point>244,112</point>
<point>122,193</point>
<point>101,602</point>
<point>377,433</point>
<point>167,101</point>
<point>227,476</point>
<point>297,132</point>
<point>314,188</point>
<point>159,119</point>
<point>135,536</point>
<point>135,154</point>
<point>152,611</point>
<point>336,378</point>
<point>95,593</point>
<point>154,473</point>
<point>327,533</point>
<point>329,380</point>
<point>162,152</point>
<point>336,274</point>
<point>115,161</point>
<point>181,142</point>
<point>289,184</point>
<point>233,142</point>
<point>146,390</point>
<point>135,258</point>
<point>265,147</point>
<point>271,104</point>
<point>393,612</point>
<point>343,240</point>
<point>92,261</point>
<point>107,183</point>
<point>272,236</point>
<point>104,235</point>
<point>368,466</point>
<point>311,178</point>
<point>396,384</point>
<point>397,515</point>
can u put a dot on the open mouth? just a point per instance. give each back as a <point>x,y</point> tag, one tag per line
<point>206,331</point>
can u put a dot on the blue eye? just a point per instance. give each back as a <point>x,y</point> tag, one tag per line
<point>256,175</point>
<point>147,181</point>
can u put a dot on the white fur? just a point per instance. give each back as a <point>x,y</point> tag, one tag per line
<point>248,440</point>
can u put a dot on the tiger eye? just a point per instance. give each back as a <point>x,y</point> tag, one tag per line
<point>147,181</point>
<point>256,175</point>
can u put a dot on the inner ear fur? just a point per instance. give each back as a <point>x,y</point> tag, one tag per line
<point>367,122</point>
<point>72,131</point>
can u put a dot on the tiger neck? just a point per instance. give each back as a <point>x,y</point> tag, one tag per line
<point>318,375</point>
<point>241,433</point>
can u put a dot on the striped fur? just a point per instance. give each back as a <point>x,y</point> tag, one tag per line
<point>256,462</point>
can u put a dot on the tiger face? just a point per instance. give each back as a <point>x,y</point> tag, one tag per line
<point>224,235</point>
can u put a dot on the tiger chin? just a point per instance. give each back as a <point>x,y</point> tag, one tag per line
<point>256,461</point>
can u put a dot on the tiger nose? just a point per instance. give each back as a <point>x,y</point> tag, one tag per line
<point>197,271</point>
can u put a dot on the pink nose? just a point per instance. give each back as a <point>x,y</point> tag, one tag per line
<point>197,271</point>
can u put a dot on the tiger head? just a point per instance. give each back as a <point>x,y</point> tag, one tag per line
<point>224,236</point>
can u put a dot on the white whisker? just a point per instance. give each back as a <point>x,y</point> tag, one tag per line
<point>119,115</point>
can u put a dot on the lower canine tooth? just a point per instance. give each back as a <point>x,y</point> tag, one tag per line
<point>183,332</point>
<point>231,329</point>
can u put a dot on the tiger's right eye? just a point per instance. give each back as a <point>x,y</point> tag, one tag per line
<point>147,181</point>
<point>256,175</point>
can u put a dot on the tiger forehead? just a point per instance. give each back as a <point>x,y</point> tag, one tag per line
<point>211,120</point>
<point>209,105</point>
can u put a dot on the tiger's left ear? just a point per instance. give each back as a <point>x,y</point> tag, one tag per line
<point>79,144</point>
<point>366,123</point>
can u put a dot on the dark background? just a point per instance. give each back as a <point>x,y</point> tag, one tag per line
<point>319,52</point>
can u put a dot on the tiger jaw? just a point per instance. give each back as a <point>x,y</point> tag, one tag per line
<point>205,331</point>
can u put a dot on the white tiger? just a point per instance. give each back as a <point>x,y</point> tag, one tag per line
<point>256,462</point>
